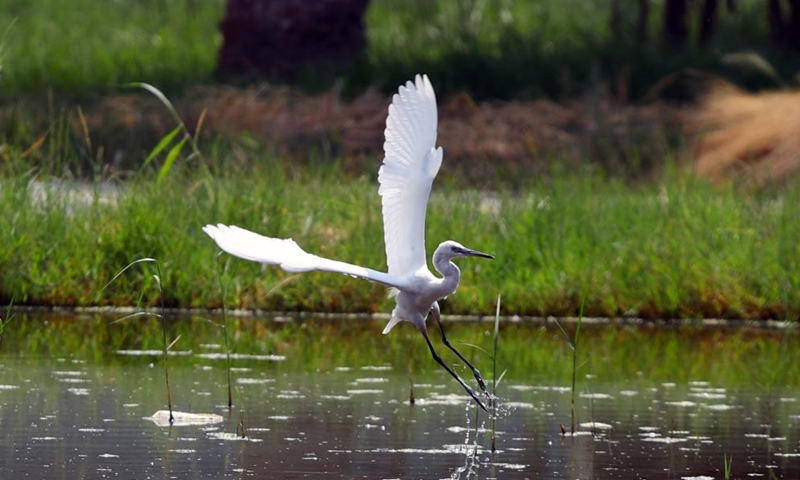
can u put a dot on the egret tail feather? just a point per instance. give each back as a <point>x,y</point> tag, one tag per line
<point>389,326</point>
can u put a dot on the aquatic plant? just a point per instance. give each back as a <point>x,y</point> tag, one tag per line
<point>7,318</point>
<point>495,379</point>
<point>573,345</point>
<point>728,463</point>
<point>157,279</point>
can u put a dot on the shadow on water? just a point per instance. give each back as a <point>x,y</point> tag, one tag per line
<point>329,399</point>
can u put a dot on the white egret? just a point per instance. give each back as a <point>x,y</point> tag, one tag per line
<point>410,164</point>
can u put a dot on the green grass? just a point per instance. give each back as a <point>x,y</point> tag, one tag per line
<point>676,247</point>
<point>495,48</point>
<point>5,320</point>
<point>673,247</point>
<point>89,46</point>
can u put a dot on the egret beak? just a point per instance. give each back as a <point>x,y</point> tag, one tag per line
<point>474,253</point>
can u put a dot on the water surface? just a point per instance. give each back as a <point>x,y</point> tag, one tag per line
<point>82,415</point>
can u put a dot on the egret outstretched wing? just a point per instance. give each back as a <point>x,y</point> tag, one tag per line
<point>286,254</point>
<point>410,164</point>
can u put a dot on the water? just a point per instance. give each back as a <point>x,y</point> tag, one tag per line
<point>80,416</point>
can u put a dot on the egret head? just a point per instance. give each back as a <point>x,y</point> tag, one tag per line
<point>450,249</point>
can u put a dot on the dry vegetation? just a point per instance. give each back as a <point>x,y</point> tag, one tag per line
<point>751,136</point>
<point>735,134</point>
<point>503,135</point>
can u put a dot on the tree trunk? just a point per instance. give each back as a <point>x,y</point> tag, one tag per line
<point>282,38</point>
<point>708,22</point>
<point>676,32</point>
<point>793,29</point>
<point>616,21</point>
<point>642,20</point>
<point>775,21</point>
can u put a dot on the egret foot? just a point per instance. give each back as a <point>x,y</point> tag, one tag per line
<point>466,387</point>
<point>475,372</point>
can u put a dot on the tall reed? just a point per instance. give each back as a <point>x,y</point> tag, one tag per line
<point>573,343</point>
<point>160,315</point>
<point>9,315</point>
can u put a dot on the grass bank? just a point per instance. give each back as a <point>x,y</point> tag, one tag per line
<point>88,47</point>
<point>495,48</point>
<point>675,247</point>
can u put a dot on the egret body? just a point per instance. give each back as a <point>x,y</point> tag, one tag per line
<point>411,162</point>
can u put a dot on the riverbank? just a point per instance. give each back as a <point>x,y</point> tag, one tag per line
<point>678,247</point>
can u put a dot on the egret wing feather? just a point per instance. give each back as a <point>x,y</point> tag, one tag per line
<point>287,254</point>
<point>411,162</point>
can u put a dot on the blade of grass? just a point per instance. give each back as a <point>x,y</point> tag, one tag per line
<point>575,340</point>
<point>162,145</point>
<point>5,320</point>
<point>573,344</point>
<point>494,374</point>
<point>200,122</point>
<point>172,110</point>
<point>134,315</point>
<point>85,128</point>
<point>135,262</point>
<point>728,463</point>
<point>171,157</point>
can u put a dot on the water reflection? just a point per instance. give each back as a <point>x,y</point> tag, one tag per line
<point>65,417</point>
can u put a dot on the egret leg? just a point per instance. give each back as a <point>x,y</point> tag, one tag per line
<point>436,315</point>
<point>451,372</point>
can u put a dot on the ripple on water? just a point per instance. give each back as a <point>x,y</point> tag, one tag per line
<point>233,437</point>
<point>719,407</point>
<point>377,368</point>
<point>254,381</point>
<point>518,405</point>
<point>365,391</point>
<point>372,380</point>
<point>74,380</point>
<point>241,356</point>
<point>279,417</point>
<point>336,397</point>
<point>667,440</point>
<point>597,396</point>
<point>708,395</point>
<point>154,353</point>
<point>682,403</point>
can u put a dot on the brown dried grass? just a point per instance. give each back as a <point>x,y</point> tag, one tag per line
<point>507,134</point>
<point>509,131</point>
<point>478,138</point>
<point>754,137</point>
